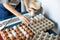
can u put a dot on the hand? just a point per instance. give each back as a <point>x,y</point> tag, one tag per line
<point>28,9</point>
<point>31,11</point>
<point>24,19</point>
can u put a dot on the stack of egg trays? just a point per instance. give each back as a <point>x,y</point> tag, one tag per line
<point>40,23</point>
<point>45,36</point>
<point>19,32</point>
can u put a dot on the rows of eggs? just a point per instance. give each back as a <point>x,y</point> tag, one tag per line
<point>21,32</point>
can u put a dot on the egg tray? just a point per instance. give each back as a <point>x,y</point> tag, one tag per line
<point>45,36</point>
<point>19,32</point>
<point>22,32</point>
<point>40,23</point>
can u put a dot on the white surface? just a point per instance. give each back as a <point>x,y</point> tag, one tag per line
<point>52,8</point>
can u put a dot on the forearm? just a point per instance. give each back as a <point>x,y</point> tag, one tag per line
<point>26,3</point>
<point>11,9</point>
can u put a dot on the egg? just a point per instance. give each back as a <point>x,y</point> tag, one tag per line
<point>23,37</point>
<point>4,31</point>
<point>20,38</point>
<point>17,31</point>
<point>12,38</point>
<point>11,28</point>
<point>14,27</point>
<point>4,35</point>
<point>6,38</point>
<point>17,38</point>
<point>8,32</point>
<point>28,31</point>
<point>31,34</point>
<point>24,27</point>
<point>27,35</point>
<point>19,26</point>
<point>21,34</point>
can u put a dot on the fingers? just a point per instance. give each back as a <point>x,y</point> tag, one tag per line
<point>26,20</point>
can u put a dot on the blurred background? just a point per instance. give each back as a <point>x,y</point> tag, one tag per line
<point>51,8</point>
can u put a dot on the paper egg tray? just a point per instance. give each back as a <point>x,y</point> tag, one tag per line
<point>40,23</point>
<point>19,32</point>
<point>45,36</point>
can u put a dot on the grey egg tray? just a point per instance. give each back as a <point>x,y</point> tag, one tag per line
<point>45,36</point>
<point>40,23</point>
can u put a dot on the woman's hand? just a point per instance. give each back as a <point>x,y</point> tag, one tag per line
<point>31,11</point>
<point>28,9</point>
<point>24,19</point>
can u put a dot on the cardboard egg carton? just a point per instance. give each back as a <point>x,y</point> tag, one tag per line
<point>40,23</point>
<point>19,32</point>
<point>45,36</point>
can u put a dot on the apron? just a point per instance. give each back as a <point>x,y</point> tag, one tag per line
<point>4,13</point>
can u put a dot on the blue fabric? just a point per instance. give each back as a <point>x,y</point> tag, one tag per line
<point>51,32</point>
<point>4,13</point>
<point>18,7</point>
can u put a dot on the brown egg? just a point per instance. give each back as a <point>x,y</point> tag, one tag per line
<point>12,38</point>
<point>28,31</point>
<point>20,38</point>
<point>8,32</point>
<point>20,25</point>
<point>6,38</point>
<point>31,34</point>
<point>11,28</point>
<point>20,34</point>
<point>4,31</point>
<point>17,31</point>
<point>4,35</point>
<point>17,39</point>
<point>23,37</point>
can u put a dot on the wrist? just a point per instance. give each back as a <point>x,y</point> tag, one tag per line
<point>27,7</point>
<point>20,16</point>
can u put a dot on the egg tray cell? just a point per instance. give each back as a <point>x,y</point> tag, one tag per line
<point>40,23</point>
<point>45,36</point>
<point>19,32</point>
